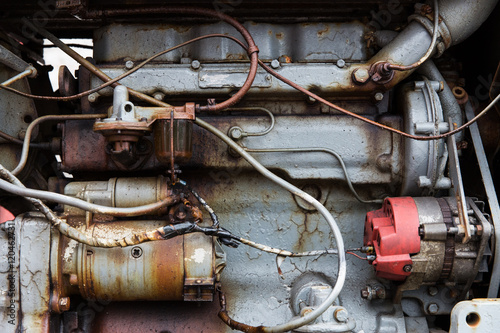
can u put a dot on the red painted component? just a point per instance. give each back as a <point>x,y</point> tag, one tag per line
<point>393,232</point>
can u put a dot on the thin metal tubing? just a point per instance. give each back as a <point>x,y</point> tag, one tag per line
<point>252,49</point>
<point>342,268</point>
<point>253,108</point>
<point>78,203</point>
<point>26,144</point>
<point>122,76</point>
<point>429,50</point>
<point>369,121</point>
<point>78,235</point>
<point>322,150</point>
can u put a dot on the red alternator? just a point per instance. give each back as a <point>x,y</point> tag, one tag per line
<point>393,232</point>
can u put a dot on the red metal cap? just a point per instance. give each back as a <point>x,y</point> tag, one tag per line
<point>393,232</point>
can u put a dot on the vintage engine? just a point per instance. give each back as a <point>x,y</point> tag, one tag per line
<point>181,178</point>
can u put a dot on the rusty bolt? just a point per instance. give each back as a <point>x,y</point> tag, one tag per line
<point>341,315</point>
<point>433,291</point>
<point>136,252</point>
<point>365,292</point>
<point>64,304</point>
<point>433,308</point>
<point>305,311</point>
<point>407,268</point>
<point>361,75</point>
<point>129,64</point>
<point>275,64</point>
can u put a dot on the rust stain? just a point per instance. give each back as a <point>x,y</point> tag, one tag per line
<point>324,31</point>
<point>280,35</point>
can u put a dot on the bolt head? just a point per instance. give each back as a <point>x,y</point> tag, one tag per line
<point>433,308</point>
<point>379,96</point>
<point>361,75</point>
<point>275,64</point>
<point>340,63</point>
<point>64,303</point>
<point>433,291</point>
<point>407,268</point>
<point>341,315</point>
<point>129,64</point>
<point>195,64</point>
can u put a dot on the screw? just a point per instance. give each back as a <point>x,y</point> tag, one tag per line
<point>433,291</point>
<point>136,252</point>
<point>433,308</point>
<point>361,75</point>
<point>64,303</point>
<point>341,315</point>
<point>340,63</point>
<point>129,64</point>
<point>407,268</point>
<point>195,64</point>
<point>275,63</point>
<point>379,96</point>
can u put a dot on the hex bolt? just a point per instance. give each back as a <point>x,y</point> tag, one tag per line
<point>433,291</point>
<point>275,64</point>
<point>129,64</point>
<point>340,63</point>
<point>159,96</point>
<point>136,252</point>
<point>64,304</point>
<point>407,268</point>
<point>361,75</point>
<point>195,64</point>
<point>379,96</point>
<point>341,315</point>
<point>433,308</point>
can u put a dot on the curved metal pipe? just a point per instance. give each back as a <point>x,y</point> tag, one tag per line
<point>459,20</point>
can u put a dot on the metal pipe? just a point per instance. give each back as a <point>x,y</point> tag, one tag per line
<point>11,60</point>
<point>342,269</point>
<point>449,103</point>
<point>26,144</point>
<point>78,235</point>
<point>78,203</point>
<point>322,150</point>
<point>254,108</point>
<point>252,49</point>
<point>88,65</point>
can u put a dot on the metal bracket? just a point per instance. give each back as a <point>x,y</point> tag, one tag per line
<point>458,186</point>
<point>492,198</point>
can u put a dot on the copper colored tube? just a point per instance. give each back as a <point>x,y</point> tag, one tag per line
<point>252,48</point>
<point>122,76</point>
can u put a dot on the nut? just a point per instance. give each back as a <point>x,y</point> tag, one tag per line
<point>433,308</point>
<point>195,64</point>
<point>275,64</point>
<point>64,304</point>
